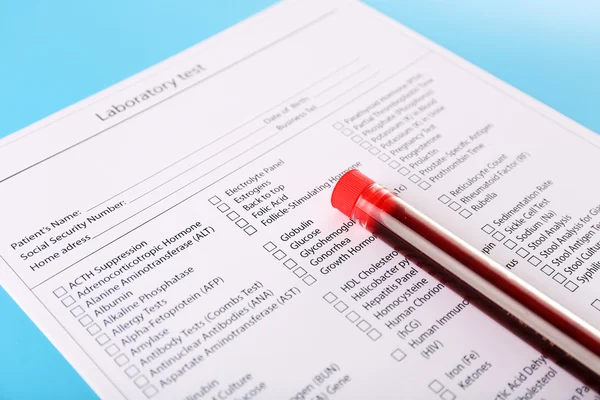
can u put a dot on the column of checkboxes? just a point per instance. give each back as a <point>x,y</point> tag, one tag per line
<point>559,278</point>
<point>366,144</point>
<point>352,316</point>
<point>77,311</point>
<point>356,138</point>
<point>438,388</point>
<point>499,236</point>
<point>87,322</point>
<point>531,259</point>
<point>454,206</point>
<point>374,150</point>
<point>103,340</point>
<point>404,171</point>
<point>232,215</point>
<point>132,371</point>
<point>508,243</point>
<point>415,179</point>
<point>141,381</point>
<point>289,263</point>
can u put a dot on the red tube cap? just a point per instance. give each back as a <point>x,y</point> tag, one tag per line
<point>348,189</point>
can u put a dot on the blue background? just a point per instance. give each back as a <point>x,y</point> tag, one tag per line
<point>54,53</point>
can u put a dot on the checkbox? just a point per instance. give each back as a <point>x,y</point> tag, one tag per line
<point>365,145</point>
<point>341,306</point>
<point>290,264</point>
<point>250,230</point>
<point>356,139</point>
<point>241,222</point>
<point>424,185</point>
<point>435,386</point>
<point>103,339</point>
<point>223,207</point>
<point>499,236</point>
<point>141,381</point>
<point>454,206</point>
<point>85,320</point>
<point>596,304</point>
<point>487,229</point>
<point>353,316</point>
<point>112,350</point>
<point>510,244</point>
<point>398,355</point>
<point>384,157</point>
<point>548,270</point>
<point>444,199</point>
<point>279,254</point>
<point>363,325</point>
<point>414,178</point>
<point>121,360</point>
<point>533,260</point>
<point>347,132</point>
<point>93,329</point>
<point>150,392</point>
<point>374,151</point>
<point>132,371</point>
<point>269,246</point>
<point>571,286</point>
<point>77,311</point>
<point>299,272</point>
<point>560,278</point>
<point>214,200</point>
<point>522,252</point>
<point>374,334</point>
<point>338,126</point>
<point>60,292</point>
<point>448,395</point>
<point>330,297</point>
<point>404,171</point>
<point>68,301</point>
<point>394,164</point>
<point>465,214</point>
<point>309,280</point>
<point>233,215</point>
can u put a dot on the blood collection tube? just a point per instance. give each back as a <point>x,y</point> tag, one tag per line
<point>401,225</point>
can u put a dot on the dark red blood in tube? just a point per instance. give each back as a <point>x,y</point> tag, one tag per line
<point>363,200</point>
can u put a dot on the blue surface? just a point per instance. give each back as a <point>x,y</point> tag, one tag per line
<point>56,53</point>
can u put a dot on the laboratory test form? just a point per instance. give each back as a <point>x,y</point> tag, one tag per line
<point>173,235</point>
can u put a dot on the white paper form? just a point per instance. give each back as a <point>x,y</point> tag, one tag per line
<point>173,235</point>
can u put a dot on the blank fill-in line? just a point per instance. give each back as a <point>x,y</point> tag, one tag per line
<point>199,163</point>
<point>189,183</point>
<point>344,79</point>
<point>228,174</point>
<point>228,133</point>
<point>350,89</point>
<point>222,70</point>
